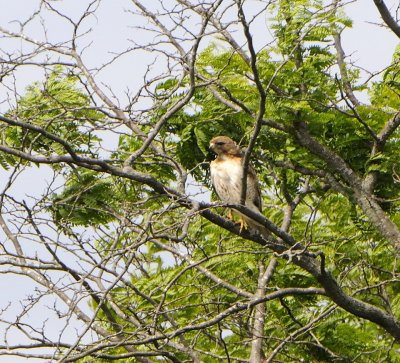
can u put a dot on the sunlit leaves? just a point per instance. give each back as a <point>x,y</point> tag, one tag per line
<point>59,107</point>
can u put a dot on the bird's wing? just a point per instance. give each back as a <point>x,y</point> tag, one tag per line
<point>254,191</point>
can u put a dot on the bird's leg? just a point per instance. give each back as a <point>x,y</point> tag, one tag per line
<point>243,224</point>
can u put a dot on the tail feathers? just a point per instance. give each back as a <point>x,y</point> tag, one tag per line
<point>265,233</point>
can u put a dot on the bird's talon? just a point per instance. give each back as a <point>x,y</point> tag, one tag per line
<point>243,225</point>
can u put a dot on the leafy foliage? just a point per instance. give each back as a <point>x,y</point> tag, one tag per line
<point>60,108</point>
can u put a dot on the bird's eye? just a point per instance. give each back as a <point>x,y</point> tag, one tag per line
<point>220,143</point>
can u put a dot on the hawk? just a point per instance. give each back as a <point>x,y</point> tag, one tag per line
<point>226,177</point>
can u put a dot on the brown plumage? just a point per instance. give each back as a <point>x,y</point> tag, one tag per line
<point>226,177</point>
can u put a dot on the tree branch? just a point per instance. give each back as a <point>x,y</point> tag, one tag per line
<point>343,71</point>
<point>387,17</point>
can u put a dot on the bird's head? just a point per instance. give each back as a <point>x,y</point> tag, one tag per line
<point>224,145</point>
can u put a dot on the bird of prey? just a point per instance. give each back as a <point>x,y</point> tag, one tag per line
<point>226,177</point>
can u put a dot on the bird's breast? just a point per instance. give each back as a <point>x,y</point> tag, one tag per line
<point>230,170</point>
<point>226,178</point>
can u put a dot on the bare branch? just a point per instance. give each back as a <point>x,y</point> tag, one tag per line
<point>387,17</point>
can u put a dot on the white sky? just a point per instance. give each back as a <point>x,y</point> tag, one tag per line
<point>369,45</point>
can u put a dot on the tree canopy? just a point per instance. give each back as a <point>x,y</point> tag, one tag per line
<point>129,254</point>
